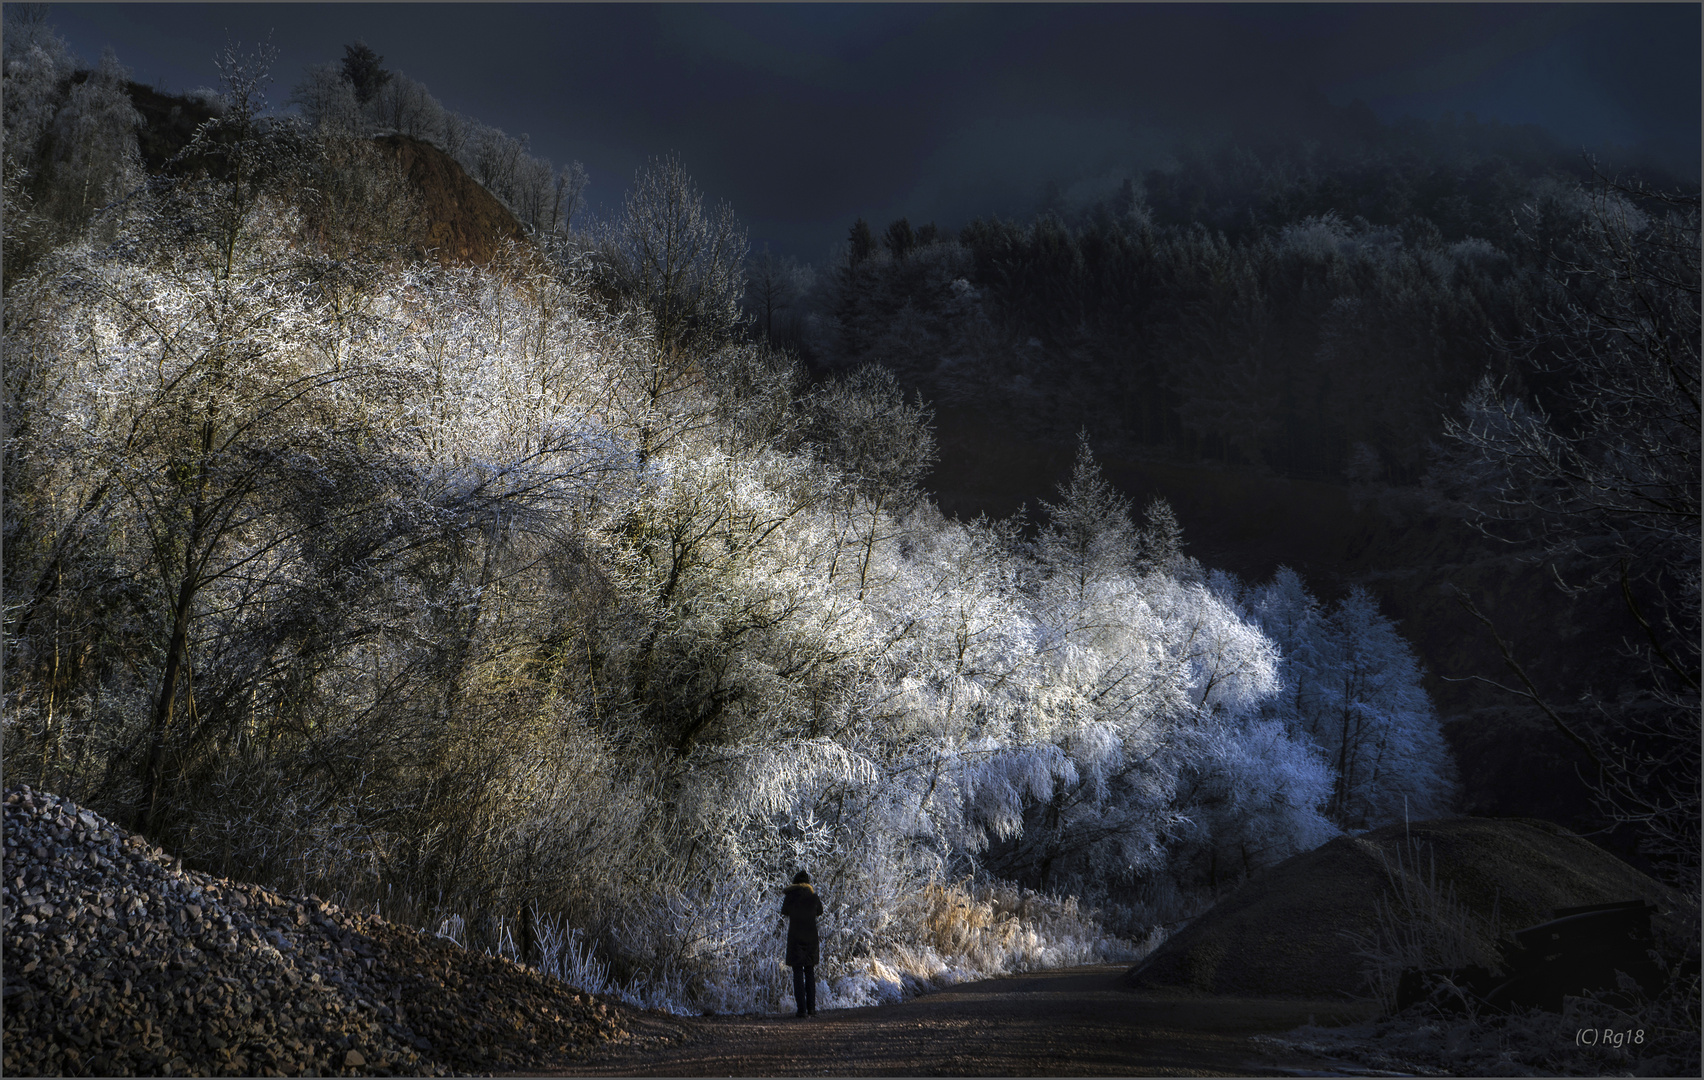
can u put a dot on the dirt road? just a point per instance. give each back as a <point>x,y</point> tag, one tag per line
<point>1075,1022</point>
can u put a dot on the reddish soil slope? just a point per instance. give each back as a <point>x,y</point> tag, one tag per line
<point>465,223</point>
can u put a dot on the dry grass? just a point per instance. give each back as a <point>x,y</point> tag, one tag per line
<point>1419,923</point>
<point>951,932</point>
<point>995,927</point>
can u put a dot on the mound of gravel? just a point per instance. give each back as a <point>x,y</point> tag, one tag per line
<point>1289,931</point>
<point>118,961</point>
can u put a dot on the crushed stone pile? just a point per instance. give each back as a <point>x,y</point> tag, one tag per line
<point>118,961</point>
<point>1292,930</point>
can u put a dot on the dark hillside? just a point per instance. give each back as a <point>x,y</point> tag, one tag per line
<point>1276,342</point>
<point>168,123</point>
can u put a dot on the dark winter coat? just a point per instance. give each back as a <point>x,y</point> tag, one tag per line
<point>801,907</point>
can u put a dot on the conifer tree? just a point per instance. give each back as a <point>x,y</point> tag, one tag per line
<point>900,238</point>
<point>1160,542</point>
<point>361,68</point>
<point>863,242</point>
<point>1089,533</point>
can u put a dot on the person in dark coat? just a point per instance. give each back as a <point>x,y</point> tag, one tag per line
<point>800,906</point>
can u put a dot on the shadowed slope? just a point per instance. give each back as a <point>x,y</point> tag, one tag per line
<point>1286,932</point>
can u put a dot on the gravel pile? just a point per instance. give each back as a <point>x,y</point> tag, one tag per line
<point>118,961</point>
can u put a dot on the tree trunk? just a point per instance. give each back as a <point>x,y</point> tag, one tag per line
<point>176,651</point>
<point>869,546</point>
<point>1341,798</point>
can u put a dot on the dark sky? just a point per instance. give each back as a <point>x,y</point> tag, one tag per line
<point>806,116</point>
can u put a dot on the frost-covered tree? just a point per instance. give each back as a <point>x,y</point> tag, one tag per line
<point>327,101</point>
<point>532,188</point>
<point>70,135</point>
<point>1252,794</point>
<point>244,153</point>
<point>1171,777</point>
<point>568,189</point>
<point>756,390</point>
<point>203,371</point>
<point>36,61</point>
<point>94,155</point>
<point>682,260</point>
<point>365,572</point>
<point>1089,534</point>
<point>679,266</point>
<point>1293,618</point>
<point>323,565</point>
<point>862,425</point>
<point>775,284</point>
<point>458,136</point>
<point>497,160</point>
<point>1378,725</point>
<point>363,215</point>
<point>405,106</point>
<point>1160,542</point>
<point>543,197</point>
<point>1176,782</point>
<point>737,633</point>
<point>1351,684</point>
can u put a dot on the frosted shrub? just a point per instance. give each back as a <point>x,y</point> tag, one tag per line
<point>962,931</point>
